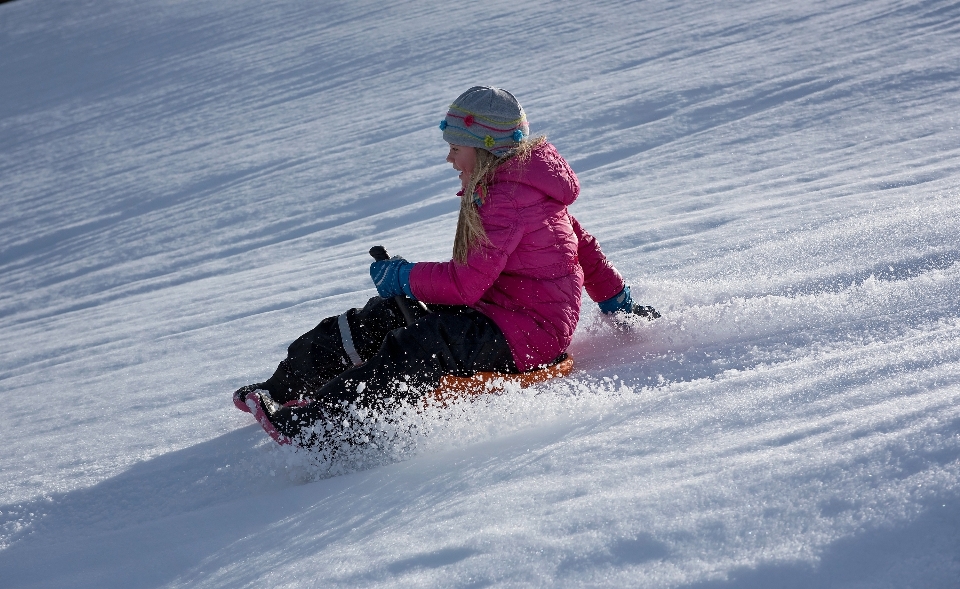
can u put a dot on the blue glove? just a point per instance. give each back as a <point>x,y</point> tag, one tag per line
<point>392,277</point>
<point>621,303</point>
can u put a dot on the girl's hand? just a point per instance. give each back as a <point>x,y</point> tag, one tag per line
<point>392,277</point>
<point>619,303</point>
<point>623,303</point>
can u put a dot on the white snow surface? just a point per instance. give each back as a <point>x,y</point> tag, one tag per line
<point>186,187</point>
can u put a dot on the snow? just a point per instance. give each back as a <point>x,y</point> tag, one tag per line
<point>188,186</point>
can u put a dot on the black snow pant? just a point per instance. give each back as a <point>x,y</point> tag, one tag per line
<point>370,358</point>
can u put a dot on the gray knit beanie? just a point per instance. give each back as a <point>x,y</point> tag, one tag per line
<point>486,117</point>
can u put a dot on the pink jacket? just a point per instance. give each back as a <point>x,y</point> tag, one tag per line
<point>528,278</point>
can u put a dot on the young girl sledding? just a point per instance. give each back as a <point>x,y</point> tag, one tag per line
<point>507,302</point>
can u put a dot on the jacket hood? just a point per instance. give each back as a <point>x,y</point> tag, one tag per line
<point>546,170</point>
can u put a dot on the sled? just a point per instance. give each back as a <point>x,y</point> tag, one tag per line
<point>451,388</point>
<point>455,388</point>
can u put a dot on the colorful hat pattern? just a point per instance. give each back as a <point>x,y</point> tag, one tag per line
<point>486,117</point>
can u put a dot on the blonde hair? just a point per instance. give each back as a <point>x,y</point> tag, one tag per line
<point>470,232</point>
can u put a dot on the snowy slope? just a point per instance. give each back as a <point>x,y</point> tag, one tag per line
<point>188,186</point>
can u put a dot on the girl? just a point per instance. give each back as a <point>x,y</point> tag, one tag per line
<point>508,301</point>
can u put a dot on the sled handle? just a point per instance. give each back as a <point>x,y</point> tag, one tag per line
<point>379,253</point>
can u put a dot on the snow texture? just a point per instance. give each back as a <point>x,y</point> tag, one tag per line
<point>188,186</point>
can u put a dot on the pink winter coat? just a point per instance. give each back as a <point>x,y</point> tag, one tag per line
<point>529,277</point>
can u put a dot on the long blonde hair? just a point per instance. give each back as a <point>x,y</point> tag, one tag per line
<point>470,232</point>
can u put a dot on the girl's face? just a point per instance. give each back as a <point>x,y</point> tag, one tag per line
<point>464,159</point>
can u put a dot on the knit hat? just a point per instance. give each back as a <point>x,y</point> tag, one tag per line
<point>486,117</point>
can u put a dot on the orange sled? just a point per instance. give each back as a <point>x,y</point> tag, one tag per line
<point>452,388</point>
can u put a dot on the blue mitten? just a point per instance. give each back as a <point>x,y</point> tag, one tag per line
<point>392,277</point>
<point>621,303</point>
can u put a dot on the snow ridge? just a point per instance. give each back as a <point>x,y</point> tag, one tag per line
<point>187,187</point>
